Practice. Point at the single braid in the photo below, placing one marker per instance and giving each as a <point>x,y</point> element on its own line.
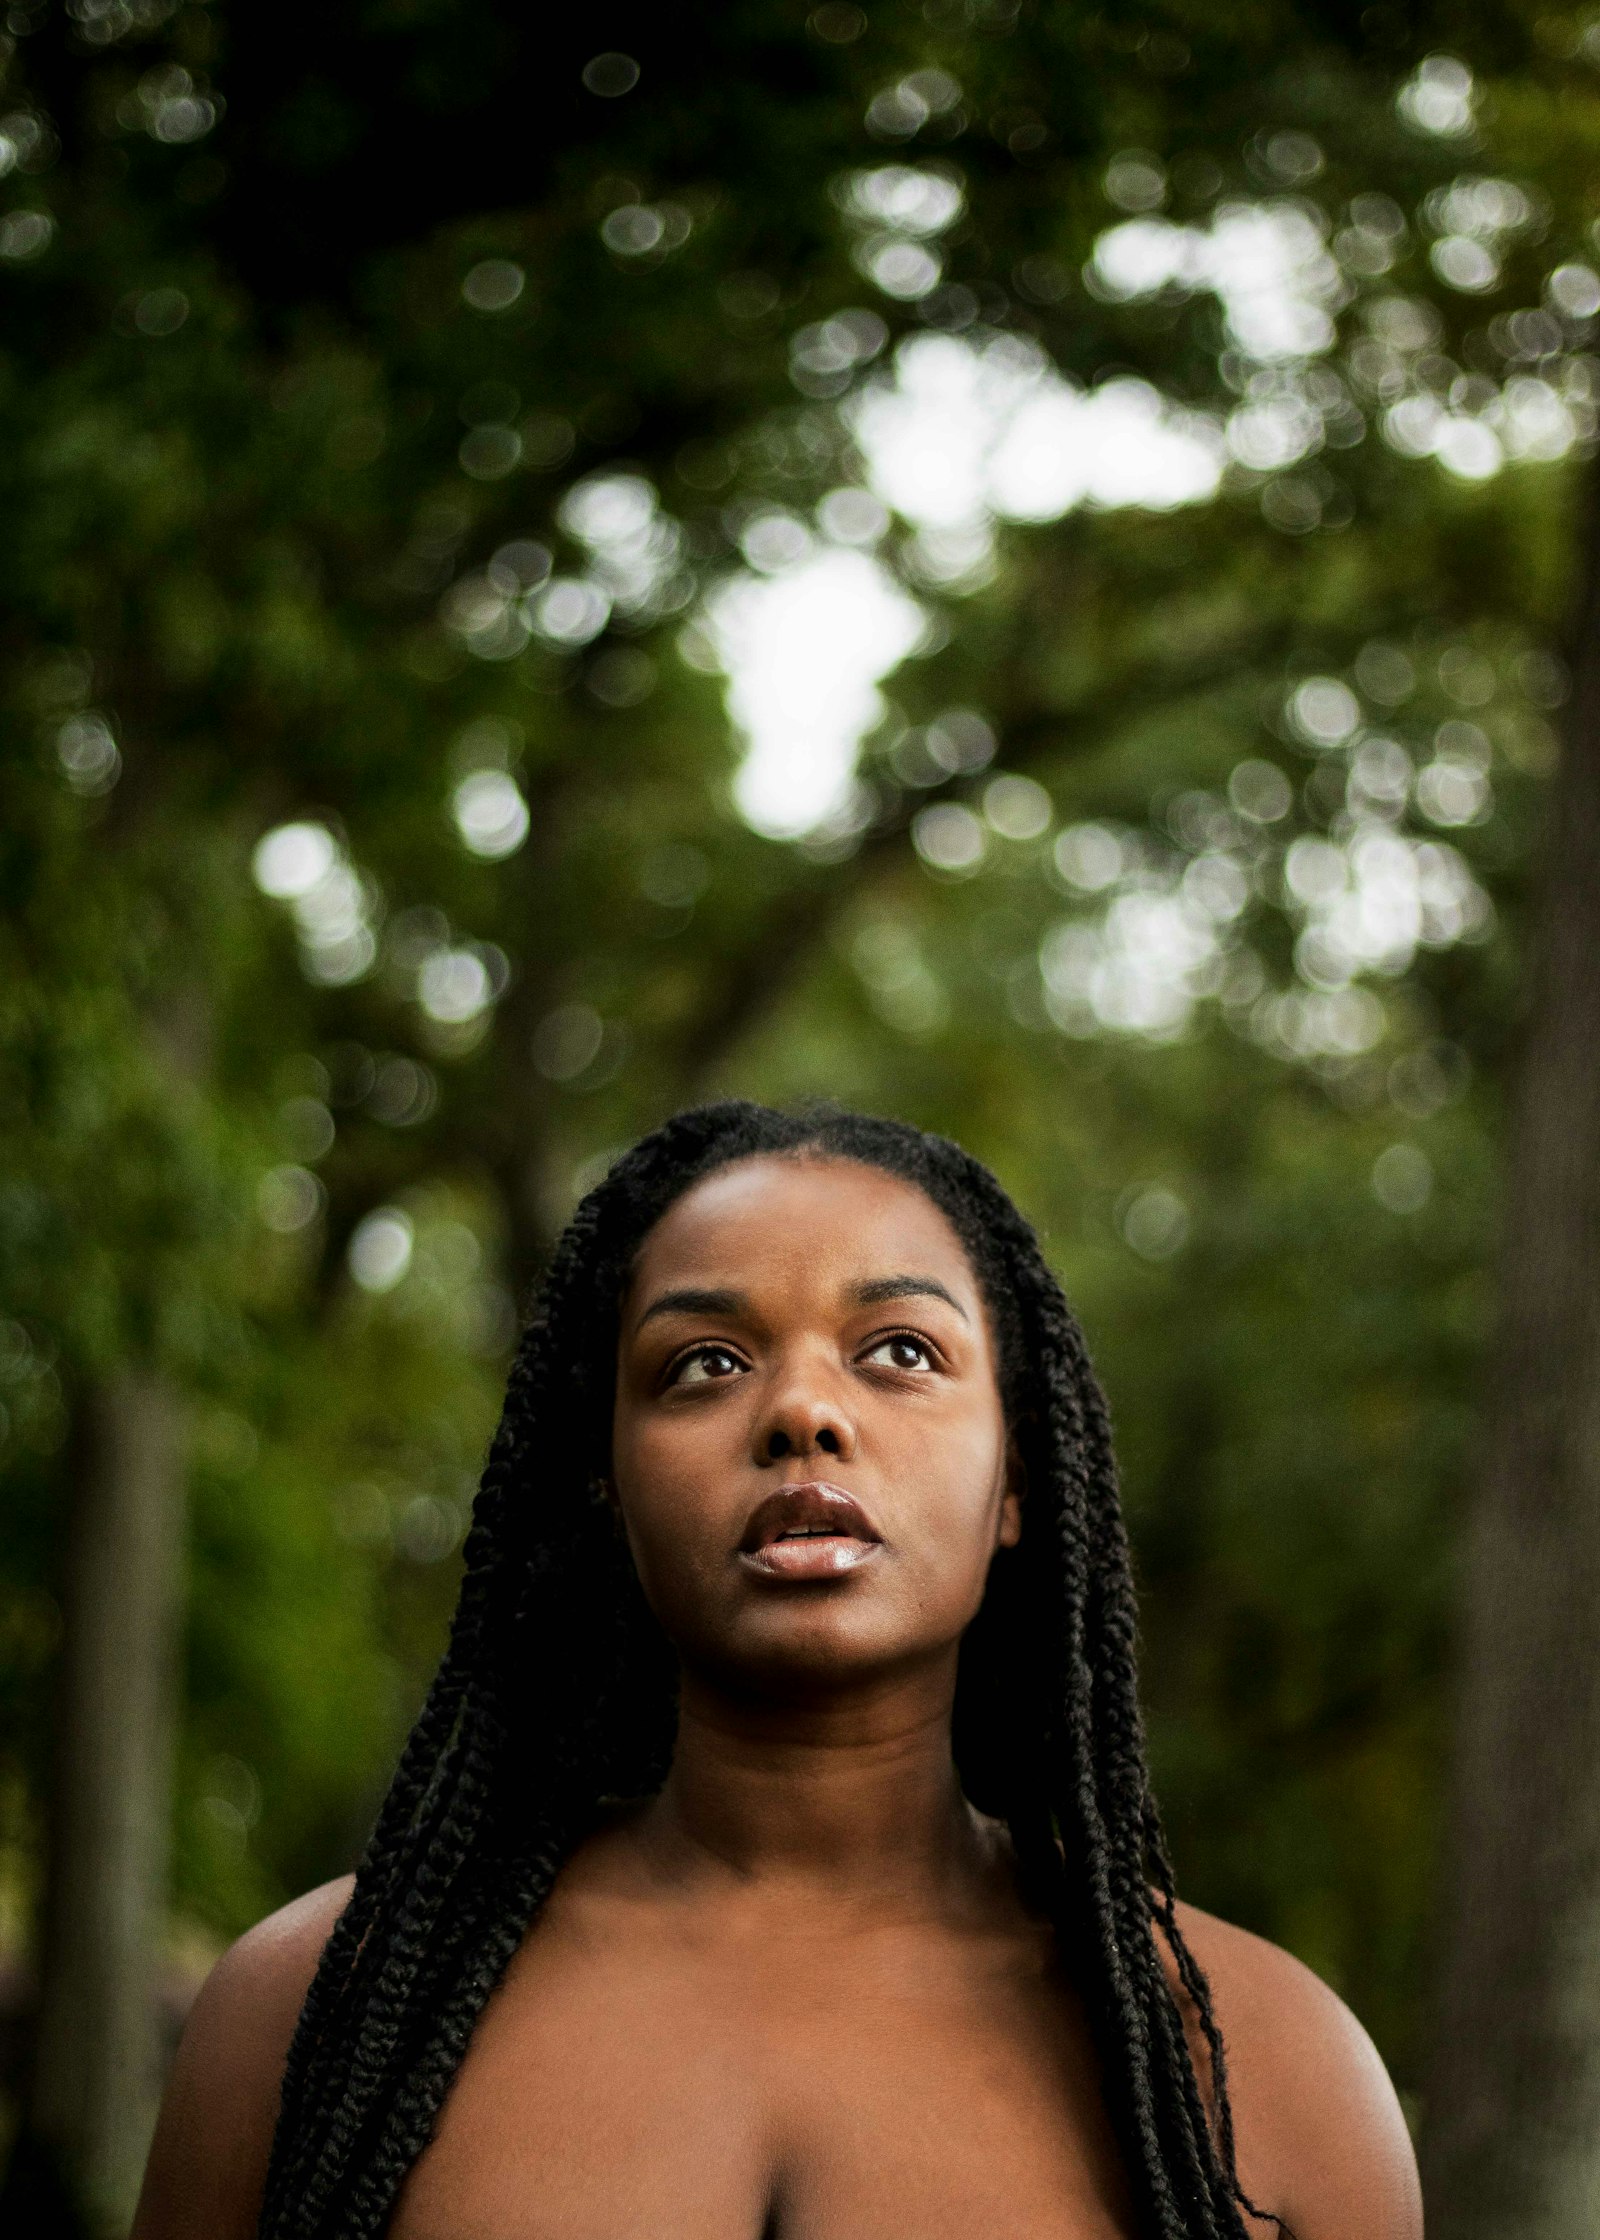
<point>556,1697</point>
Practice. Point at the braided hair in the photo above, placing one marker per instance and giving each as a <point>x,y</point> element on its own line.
<point>556,1696</point>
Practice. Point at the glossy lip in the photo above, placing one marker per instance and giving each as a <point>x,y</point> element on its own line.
<point>838,1535</point>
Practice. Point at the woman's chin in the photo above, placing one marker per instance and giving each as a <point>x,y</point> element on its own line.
<point>803,1653</point>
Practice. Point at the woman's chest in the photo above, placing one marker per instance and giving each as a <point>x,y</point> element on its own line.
<point>682,2102</point>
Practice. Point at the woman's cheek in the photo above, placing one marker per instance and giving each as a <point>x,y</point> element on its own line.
<point>675,1533</point>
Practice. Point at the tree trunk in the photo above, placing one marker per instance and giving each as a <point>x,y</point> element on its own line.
<point>97,2060</point>
<point>1511,2145</point>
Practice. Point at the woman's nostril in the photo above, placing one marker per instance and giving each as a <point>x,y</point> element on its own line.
<point>828,1440</point>
<point>777,1446</point>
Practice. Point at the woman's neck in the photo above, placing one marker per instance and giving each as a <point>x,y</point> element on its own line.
<point>855,1791</point>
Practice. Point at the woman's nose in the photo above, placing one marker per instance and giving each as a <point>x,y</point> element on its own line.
<point>805,1419</point>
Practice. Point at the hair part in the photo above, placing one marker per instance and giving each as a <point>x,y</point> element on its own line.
<point>557,1694</point>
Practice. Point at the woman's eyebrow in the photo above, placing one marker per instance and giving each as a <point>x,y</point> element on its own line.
<point>691,1301</point>
<point>879,1288</point>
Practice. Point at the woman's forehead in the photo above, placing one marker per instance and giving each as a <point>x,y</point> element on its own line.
<point>802,1212</point>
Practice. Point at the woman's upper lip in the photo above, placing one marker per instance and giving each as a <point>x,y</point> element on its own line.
<point>812,1507</point>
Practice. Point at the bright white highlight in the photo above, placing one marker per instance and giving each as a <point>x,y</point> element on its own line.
<point>380,1248</point>
<point>1439,97</point>
<point>1370,905</point>
<point>804,651</point>
<point>901,207</point>
<point>490,814</point>
<point>906,197</point>
<point>1324,711</point>
<point>633,548</point>
<point>304,866</point>
<point>291,859</point>
<point>453,986</point>
<point>948,837</point>
<point>1266,263</point>
<point>970,433</point>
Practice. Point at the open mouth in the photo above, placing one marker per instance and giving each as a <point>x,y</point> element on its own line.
<point>811,1531</point>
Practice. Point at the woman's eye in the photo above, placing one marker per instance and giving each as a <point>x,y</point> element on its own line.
<point>902,1352</point>
<point>706,1365</point>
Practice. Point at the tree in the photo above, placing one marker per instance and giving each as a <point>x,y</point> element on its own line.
<point>1514,2091</point>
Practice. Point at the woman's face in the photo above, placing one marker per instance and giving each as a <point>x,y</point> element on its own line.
<point>808,1447</point>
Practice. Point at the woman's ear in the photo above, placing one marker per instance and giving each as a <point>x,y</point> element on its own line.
<point>1011,1499</point>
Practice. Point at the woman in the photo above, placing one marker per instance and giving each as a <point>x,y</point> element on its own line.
<point>774,1854</point>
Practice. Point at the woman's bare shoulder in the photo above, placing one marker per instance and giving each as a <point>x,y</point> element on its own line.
<point>209,2159</point>
<point>1322,2142</point>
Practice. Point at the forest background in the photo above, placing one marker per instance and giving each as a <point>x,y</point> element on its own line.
<point>1021,565</point>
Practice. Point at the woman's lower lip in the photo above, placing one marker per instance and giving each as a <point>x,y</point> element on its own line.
<point>817,1555</point>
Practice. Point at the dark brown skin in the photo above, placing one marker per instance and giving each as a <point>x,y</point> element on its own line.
<point>798,1994</point>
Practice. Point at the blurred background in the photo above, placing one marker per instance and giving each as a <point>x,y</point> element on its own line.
<point>1013,563</point>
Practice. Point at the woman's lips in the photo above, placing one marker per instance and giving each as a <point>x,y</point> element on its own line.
<point>810,1531</point>
<point>816,1556</point>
